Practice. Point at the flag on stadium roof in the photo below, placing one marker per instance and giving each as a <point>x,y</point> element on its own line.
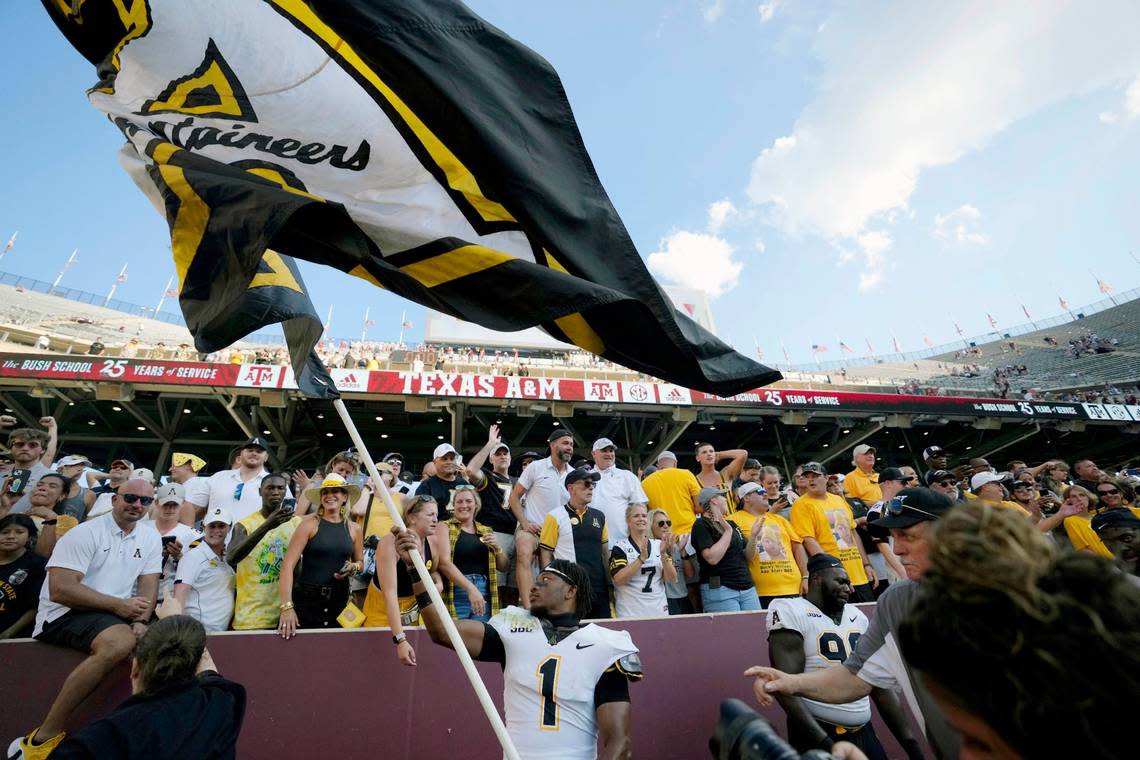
<point>993,322</point>
<point>898,348</point>
<point>11,241</point>
<point>1064,303</point>
<point>816,348</point>
<point>957,329</point>
<point>844,347</point>
<point>926,339</point>
<point>869,346</point>
<point>1104,287</point>
<point>407,143</point>
<point>1025,311</point>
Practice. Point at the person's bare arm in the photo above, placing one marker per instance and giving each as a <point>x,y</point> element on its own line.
<point>147,589</point>
<point>834,685</point>
<point>892,714</point>
<point>715,553</point>
<point>475,466</point>
<point>545,556</point>
<point>892,560</point>
<point>65,587</point>
<point>872,576</point>
<point>801,562</point>
<point>520,514</point>
<point>786,652</point>
<point>53,440</point>
<point>733,468</point>
<point>750,546</point>
<point>22,622</point>
<point>470,631</point>
<point>614,719</point>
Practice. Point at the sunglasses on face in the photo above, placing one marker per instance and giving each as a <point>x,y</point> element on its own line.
<point>896,507</point>
<point>1108,492</point>
<point>948,483</point>
<point>664,523</point>
<point>119,467</point>
<point>909,480</point>
<point>464,487</point>
<point>131,498</point>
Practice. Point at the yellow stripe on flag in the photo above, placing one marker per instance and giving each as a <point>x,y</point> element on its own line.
<point>452,265</point>
<point>575,326</point>
<point>193,213</point>
<point>459,178</point>
<point>364,274</point>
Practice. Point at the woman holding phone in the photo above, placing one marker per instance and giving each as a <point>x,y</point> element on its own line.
<point>331,547</point>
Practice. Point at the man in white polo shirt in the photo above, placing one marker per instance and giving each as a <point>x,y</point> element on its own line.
<point>543,485</point>
<point>204,583</point>
<point>89,602</point>
<point>239,489</point>
<point>616,490</point>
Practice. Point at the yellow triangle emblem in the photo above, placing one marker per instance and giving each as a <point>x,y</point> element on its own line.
<point>212,90</point>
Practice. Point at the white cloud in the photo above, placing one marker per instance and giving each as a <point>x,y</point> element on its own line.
<point>696,260</point>
<point>906,87</point>
<point>719,213</point>
<point>759,246</point>
<point>960,226</point>
<point>768,10</point>
<point>1129,107</point>
<point>713,11</point>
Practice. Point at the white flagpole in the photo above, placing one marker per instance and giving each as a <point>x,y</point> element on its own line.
<point>66,265</point>
<point>403,321</point>
<point>328,323</point>
<point>452,632</point>
<point>111,293</point>
<point>364,325</point>
<point>165,290</point>
<point>11,242</point>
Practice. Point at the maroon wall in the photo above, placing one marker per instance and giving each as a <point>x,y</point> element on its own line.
<point>343,694</point>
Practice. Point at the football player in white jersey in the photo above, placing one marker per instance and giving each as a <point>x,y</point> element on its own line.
<point>565,685</point>
<point>818,631</point>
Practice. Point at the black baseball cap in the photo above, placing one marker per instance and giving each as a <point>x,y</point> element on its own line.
<point>559,433</point>
<point>530,455</point>
<point>1115,518</point>
<point>937,476</point>
<point>815,467</point>
<point>393,455</point>
<point>912,506</point>
<point>891,473</point>
<point>257,442</point>
<point>581,473</point>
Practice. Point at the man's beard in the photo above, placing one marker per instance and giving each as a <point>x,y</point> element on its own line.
<point>565,456</point>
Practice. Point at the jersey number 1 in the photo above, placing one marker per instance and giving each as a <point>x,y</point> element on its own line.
<point>547,688</point>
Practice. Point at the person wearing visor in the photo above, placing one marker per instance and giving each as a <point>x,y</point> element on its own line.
<point>875,661</point>
<point>184,469</point>
<point>395,460</point>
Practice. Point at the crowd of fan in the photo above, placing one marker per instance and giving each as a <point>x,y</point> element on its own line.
<point>1091,343</point>
<point>249,549</point>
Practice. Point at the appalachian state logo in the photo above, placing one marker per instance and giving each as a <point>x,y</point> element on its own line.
<point>212,90</point>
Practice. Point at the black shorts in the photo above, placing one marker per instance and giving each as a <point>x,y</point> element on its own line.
<point>862,593</point>
<point>77,629</point>
<point>864,738</point>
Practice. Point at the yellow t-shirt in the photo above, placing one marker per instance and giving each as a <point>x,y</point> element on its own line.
<point>774,569</point>
<point>258,601</point>
<point>1084,537</point>
<point>1005,505</point>
<point>832,523</point>
<point>673,490</point>
<point>860,485</point>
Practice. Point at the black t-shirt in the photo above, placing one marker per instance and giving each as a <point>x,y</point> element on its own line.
<point>199,717</point>
<point>20,583</point>
<point>494,512</point>
<point>732,570</point>
<point>440,490</point>
<point>469,554</point>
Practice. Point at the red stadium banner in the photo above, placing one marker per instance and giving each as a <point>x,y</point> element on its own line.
<point>463,385</point>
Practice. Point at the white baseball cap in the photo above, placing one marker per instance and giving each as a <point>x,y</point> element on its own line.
<point>603,443</point>
<point>443,450</point>
<point>68,461</point>
<point>666,455</point>
<point>982,478</point>
<point>170,492</point>
<point>747,488</point>
<point>218,514</point>
<point>143,473</point>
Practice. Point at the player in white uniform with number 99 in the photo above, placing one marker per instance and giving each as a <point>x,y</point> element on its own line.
<point>565,685</point>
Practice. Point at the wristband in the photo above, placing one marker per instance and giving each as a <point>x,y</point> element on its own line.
<point>52,521</point>
<point>399,638</point>
<point>423,599</point>
<point>287,606</point>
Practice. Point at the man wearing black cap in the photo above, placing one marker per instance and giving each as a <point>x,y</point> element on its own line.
<point>542,485</point>
<point>1119,531</point>
<point>494,488</point>
<point>943,482</point>
<point>239,490</point>
<point>877,540</point>
<point>812,632</point>
<point>876,661</point>
<point>577,532</point>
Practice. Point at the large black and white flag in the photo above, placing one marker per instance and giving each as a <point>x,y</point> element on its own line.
<point>406,142</point>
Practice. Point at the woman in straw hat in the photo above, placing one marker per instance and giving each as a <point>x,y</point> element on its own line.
<point>330,547</point>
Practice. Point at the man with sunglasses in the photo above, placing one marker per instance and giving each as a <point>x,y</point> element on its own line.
<point>877,540</point>
<point>1110,496</point>
<point>944,482</point>
<point>100,592</point>
<point>876,661</point>
<point>238,490</point>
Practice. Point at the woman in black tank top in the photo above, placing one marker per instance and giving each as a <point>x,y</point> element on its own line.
<point>330,548</point>
<point>390,593</point>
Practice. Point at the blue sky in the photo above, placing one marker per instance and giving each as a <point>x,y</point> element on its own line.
<point>827,171</point>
